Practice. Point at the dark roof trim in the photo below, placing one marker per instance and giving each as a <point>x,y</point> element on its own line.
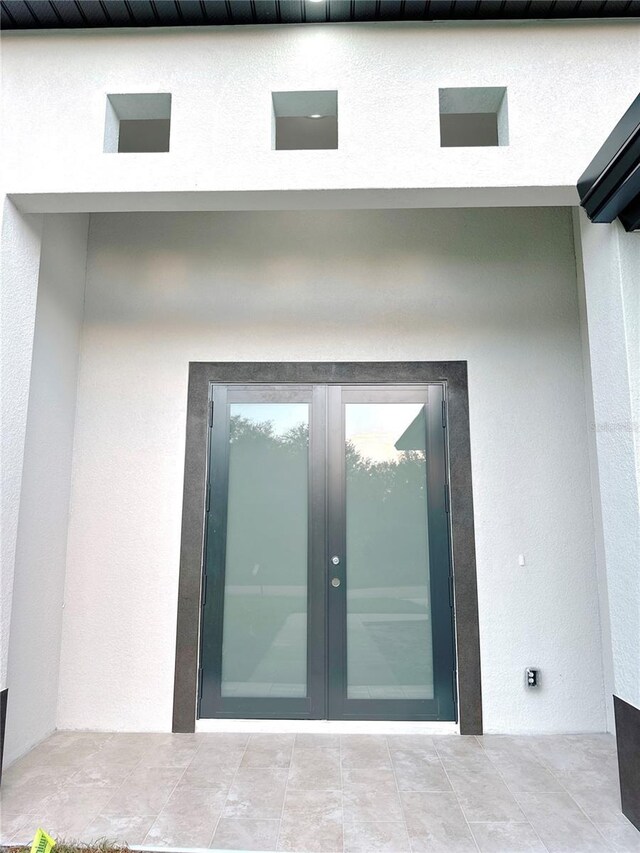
<point>610,185</point>
<point>74,14</point>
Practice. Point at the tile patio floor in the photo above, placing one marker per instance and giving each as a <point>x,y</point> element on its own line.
<point>329,793</point>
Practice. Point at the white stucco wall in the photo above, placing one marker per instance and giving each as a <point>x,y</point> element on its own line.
<point>496,288</point>
<point>629,259</point>
<point>20,255</point>
<point>41,549</point>
<point>568,84</point>
<point>608,271</point>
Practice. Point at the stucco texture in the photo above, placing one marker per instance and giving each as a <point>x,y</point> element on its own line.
<point>494,287</point>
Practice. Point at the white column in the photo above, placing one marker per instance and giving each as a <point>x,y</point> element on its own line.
<point>608,262</point>
<point>21,240</point>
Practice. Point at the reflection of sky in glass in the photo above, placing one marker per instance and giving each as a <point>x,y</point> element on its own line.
<point>283,416</point>
<point>374,428</point>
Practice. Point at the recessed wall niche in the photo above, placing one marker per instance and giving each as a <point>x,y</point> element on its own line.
<point>137,123</point>
<point>305,120</point>
<point>473,116</point>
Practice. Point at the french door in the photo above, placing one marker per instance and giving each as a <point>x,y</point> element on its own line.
<point>327,589</point>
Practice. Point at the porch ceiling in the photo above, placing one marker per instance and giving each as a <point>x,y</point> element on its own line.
<point>70,14</point>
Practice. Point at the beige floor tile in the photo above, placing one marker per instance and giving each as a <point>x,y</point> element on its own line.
<point>17,827</point>
<point>36,755</point>
<point>24,799</point>
<point>461,752</point>
<point>268,751</point>
<point>68,737</point>
<point>41,777</point>
<point>84,785</point>
<point>484,796</point>
<point>621,835</point>
<point>191,827</point>
<point>376,777</point>
<point>144,740</point>
<point>365,751</point>
<point>317,741</point>
<point>597,794</point>
<point>506,743</point>
<point>144,791</point>
<point>364,803</point>
<point>561,824</point>
<point>363,837</point>
<point>203,800</point>
<point>304,834</point>
<point>179,754</point>
<point>183,739</point>
<point>373,746</point>
<point>436,824</point>
<point>567,753</point>
<point>322,805</point>
<point>70,797</point>
<point>271,741</point>
<point>123,829</point>
<point>220,789</point>
<point>418,770</point>
<point>507,838</point>
<point>67,813</point>
<point>105,776</point>
<point>74,753</point>
<point>212,768</point>
<point>121,751</point>
<point>317,768</point>
<point>524,773</point>
<point>256,793</point>
<point>73,748</point>
<point>241,834</point>
<point>222,740</point>
<point>421,743</point>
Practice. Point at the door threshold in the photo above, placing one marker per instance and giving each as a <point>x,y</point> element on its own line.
<point>343,727</point>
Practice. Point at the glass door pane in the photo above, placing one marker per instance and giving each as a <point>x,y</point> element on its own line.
<point>264,641</point>
<point>389,650</point>
<point>262,601</point>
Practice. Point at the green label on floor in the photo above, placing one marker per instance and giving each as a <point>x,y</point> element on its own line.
<point>42,843</point>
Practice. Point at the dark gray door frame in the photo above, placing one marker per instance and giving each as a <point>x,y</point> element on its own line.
<point>454,375</point>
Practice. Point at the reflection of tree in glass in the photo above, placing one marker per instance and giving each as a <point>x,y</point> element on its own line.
<point>244,429</point>
<point>386,471</point>
<point>386,519</point>
<point>266,549</point>
<point>389,637</point>
<point>266,553</point>
<point>386,509</point>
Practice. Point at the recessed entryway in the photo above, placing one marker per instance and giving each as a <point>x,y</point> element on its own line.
<point>324,515</point>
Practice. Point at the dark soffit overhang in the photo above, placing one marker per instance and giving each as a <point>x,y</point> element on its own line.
<point>82,14</point>
<point>610,185</point>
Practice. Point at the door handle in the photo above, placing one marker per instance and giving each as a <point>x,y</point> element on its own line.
<point>335,582</point>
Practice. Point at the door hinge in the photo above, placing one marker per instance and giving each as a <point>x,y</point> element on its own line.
<point>205,584</point>
<point>454,682</point>
<point>210,413</point>
<point>444,414</point>
<point>208,498</point>
<point>200,682</point>
<point>451,591</point>
<point>447,498</point>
